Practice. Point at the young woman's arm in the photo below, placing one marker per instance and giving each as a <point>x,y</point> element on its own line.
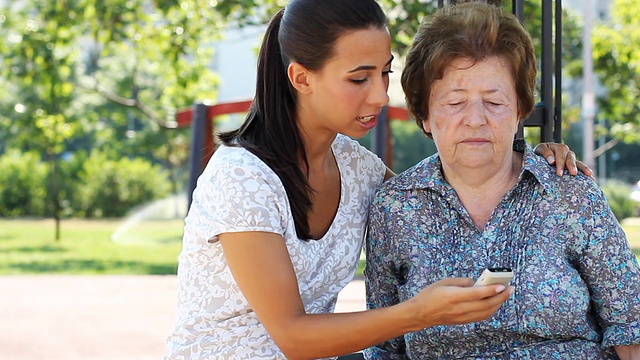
<point>388,174</point>
<point>261,266</point>
<point>562,157</point>
<point>628,352</point>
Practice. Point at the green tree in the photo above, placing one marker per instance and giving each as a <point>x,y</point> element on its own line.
<point>103,74</point>
<point>149,62</point>
<point>617,64</point>
<point>38,62</point>
<point>22,185</point>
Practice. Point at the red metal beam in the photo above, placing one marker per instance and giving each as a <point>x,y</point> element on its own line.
<point>397,113</point>
<point>183,117</point>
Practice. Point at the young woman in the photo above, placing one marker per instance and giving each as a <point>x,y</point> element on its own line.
<point>278,216</point>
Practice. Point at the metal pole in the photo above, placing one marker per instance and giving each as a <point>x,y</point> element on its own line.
<point>196,150</point>
<point>546,85</point>
<point>588,96</point>
<point>380,136</point>
<point>557,119</point>
<point>602,158</point>
<point>517,8</point>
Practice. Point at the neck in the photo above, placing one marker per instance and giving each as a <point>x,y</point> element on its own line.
<point>317,142</point>
<point>481,190</point>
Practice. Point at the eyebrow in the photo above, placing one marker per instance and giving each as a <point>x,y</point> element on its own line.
<point>369,67</point>
<point>489,91</point>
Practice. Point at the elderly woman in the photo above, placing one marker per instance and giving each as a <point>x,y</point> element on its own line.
<point>484,201</point>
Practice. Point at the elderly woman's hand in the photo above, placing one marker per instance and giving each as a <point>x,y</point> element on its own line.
<point>562,156</point>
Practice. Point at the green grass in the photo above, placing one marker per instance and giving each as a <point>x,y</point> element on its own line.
<point>631,227</point>
<point>85,247</point>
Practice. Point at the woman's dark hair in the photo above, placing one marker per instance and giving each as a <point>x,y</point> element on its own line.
<point>474,31</point>
<point>305,31</point>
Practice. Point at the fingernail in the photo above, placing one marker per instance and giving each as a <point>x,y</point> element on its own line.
<point>561,172</point>
<point>575,169</point>
<point>511,290</point>
<point>500,288</point>
<point>551,159</point>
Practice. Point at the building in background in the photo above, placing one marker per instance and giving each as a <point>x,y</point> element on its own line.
<point>235,60</point>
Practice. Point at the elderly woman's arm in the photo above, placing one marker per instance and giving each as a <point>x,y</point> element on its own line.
<point>610,269</point>
<point>380,284</point>
<point>629,352</point>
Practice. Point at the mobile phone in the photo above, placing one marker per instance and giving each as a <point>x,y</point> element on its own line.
<point>498,275</point>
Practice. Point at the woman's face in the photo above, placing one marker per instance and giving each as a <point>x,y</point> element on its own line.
<point>473,113</point>
<point>349,91</point>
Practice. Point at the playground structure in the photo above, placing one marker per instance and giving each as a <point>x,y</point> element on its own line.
<point>546,116</point>
<point>201,119</point>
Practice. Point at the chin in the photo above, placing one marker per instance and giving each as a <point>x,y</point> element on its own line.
<point>356,134</point>
<point>477,164</point>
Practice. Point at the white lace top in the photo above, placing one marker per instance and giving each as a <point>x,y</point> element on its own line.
<point>238,192</point>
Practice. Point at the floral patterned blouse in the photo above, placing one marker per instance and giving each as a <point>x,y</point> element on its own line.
<point>577,283</point>
<point>239,192</point>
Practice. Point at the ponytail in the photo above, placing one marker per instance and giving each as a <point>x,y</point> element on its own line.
<point>270,130</point>
<point>306,32</point>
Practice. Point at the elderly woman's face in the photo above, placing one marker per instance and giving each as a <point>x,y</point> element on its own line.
<point>473,113</point>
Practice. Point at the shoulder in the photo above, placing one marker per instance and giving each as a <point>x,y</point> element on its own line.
<point>237,192</point>
<point>577,194</point>
<point>237,163</point>
<point>425,175</point>
<point>566,186</point>
<point>362,162</point>
<point>346,146</point>
<point>234,173</point>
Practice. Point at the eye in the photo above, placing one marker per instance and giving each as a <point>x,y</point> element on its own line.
<point>387,72</point>
<point>358,81</point>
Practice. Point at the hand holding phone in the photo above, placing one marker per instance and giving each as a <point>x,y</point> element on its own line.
<point>490,276</point>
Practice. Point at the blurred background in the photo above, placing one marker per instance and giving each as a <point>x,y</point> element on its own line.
<point>94,165</point>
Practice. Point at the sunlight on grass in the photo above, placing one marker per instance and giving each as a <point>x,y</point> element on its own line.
<point>28,247</point>
<point>148,247</point>
<point>631,227</point>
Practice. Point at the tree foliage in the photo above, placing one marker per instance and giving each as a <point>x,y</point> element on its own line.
<point>108,75</point>
<point>105,75</point>
<point>617,63</point>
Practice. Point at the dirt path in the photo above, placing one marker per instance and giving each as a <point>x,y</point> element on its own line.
<point>96,317</point>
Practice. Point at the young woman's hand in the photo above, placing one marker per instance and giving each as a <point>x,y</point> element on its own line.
<point>455,301</point>
<point>562,157</point>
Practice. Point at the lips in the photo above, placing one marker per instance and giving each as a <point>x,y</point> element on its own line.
<point>368,122</point>
<point>365,119</point>
<point>475,141</point>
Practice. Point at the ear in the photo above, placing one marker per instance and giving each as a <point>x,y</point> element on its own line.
<point>299,77</point>
<point>426,126</point>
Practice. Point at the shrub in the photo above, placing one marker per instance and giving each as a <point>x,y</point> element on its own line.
<point>22,184</point>
<point>618,196</point>
<point>110,188</point>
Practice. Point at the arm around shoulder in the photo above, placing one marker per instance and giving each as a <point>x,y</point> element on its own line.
<point>628,352</point>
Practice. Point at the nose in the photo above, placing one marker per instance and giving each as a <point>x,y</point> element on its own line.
<point>475,115</point>
<point>379,95</point>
